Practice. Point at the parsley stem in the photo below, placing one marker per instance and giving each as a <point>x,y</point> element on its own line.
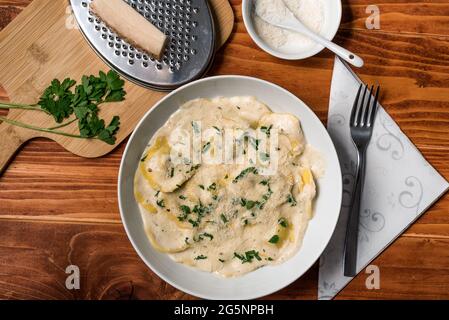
<point>6,105</point>
<point>31,127</point>
<point>63,125</point>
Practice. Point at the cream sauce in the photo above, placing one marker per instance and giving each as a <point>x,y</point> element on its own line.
<point>228,217</point>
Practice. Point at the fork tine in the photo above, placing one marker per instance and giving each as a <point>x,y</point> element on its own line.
<point>368,107</point>
<point>362,108</point>
<point>374,108</point>
<point>355,107</point>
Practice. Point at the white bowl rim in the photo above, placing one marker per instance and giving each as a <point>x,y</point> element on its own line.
<point>286,56</point>
<point>128,146</point>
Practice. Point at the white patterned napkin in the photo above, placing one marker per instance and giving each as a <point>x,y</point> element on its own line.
<point>400,184</point>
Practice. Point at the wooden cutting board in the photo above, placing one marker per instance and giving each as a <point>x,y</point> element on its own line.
<point>41,44</point>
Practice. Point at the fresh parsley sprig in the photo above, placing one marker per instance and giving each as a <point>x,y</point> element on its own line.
<point>77,103</point>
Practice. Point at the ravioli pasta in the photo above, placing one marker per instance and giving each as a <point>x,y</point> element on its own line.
<point>233,216</point>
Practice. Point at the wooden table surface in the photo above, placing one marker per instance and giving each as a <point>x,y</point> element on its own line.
<point>57,209</point>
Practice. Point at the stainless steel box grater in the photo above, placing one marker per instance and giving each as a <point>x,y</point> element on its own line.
<point>190,49</point>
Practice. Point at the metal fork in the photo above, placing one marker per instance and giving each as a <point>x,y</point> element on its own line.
<point>362,120</point>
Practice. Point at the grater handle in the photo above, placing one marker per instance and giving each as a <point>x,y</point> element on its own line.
<point>10,143</point>
<point>123,19</point>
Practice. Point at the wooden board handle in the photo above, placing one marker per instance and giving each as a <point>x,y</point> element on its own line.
<point>10,143</point>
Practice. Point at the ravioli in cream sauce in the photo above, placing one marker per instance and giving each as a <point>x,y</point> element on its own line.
<point>228,215</point>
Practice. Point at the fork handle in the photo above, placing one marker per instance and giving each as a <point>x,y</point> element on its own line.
<point>352,230</point>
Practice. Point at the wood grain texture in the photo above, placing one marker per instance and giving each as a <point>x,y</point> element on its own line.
<point>38,46</point>
<point>56,208</point>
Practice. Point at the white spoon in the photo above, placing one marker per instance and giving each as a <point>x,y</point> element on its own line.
<point>287,20</point>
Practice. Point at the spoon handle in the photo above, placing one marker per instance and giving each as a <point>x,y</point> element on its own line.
<point>290,22</point>
<point>343,53</point>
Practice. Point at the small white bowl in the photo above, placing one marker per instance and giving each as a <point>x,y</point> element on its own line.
<point>332,19</point>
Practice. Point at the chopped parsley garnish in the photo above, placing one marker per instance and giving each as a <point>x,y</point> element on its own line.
<point>221,260</point>
<point>267,130</point>
<point>264,156</point>
<point>198,209</point>
<point>195,127</point>
<point>194,223</point>
<point>218,129</point>
<point>208,235</point>
<point>223,218</point>
<point>182,197</point>
<point>185,213</point>
<point>172,172</point>
<point>161,203</point>
<point>193,168</point>
<point>144,158</point>
<point>213,186</point>
<point>291,200</point>
<point>201,210</point>
<point>200,257</point>
<point>203,235</point>
<point>215,197</point>
<point>248,257</point>
<point>254,142</point>
<point>244,173</point>
<point>201,186</point>
<point>185,209</point>
<point>265,198</point>
<point>248,204</point>
<point>206,147</point>
<point>274,239</point>
<point>283,222</point>
<point>264,182</point>
<point>269,259</point>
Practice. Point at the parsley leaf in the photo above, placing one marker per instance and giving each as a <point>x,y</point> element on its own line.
<point>203,235</point>
<point>185,213</point>
<point>244,173</point>
<point>248,257</point>
<point>114,86</point>
<point>267,130</point>
<point>291,200</point>
<point>57,99</point>
<point>213,186</point>
<point>161,203</point>
<point>274,239</point>
<point>283,222</point>
<point>223,218</point>
<point>206,147</point>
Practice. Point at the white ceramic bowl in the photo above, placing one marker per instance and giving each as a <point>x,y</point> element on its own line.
<point>332,19</point>
<point>265,280</point>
